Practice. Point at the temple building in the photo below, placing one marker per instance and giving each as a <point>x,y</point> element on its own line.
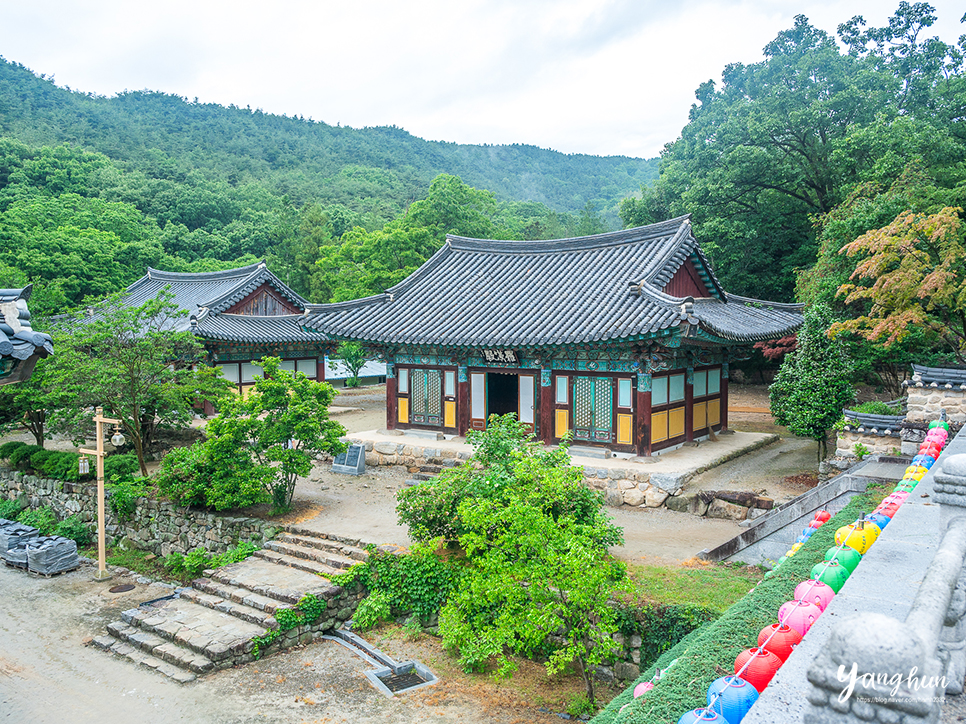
<point>241,315</point>
<point>621,340</point>
<point>20,345</point>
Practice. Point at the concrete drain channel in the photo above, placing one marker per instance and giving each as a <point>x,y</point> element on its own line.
<point>389,676</point>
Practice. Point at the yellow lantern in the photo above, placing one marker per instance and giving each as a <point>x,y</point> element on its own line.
<point>859,536</point>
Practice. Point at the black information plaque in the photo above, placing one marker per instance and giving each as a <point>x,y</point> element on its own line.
<point>351,462</point>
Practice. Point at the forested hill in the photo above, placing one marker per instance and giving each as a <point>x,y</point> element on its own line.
<point>305,160</point>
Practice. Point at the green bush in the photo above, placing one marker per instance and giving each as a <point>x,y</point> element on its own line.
<point>10,509</point>
<point>8,448</point>
<point>43,519</point>
<point>121,466</point>
<point>74,529</point>
<point>212,476</point>
<point>661,626</point>
<point>195,561</point>
<point>875,407</point>
<point>65,466</point>
<point>20,458</point>
<point>703,655</point>
<point>123,495</point>
<point>38,459</point>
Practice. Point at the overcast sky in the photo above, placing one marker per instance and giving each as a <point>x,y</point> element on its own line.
<point>579,76</point>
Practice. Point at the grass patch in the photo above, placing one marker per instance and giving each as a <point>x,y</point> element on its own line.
<point>141,562</point>
<point>715,586</point>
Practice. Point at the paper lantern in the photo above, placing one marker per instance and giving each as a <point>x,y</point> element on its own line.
<point>859,535</point>
<point>831,573</point>
<point>782,640</point>
<point>847,557</point>
<point>878,520</point>
<point>823,515</point>
<point>888,510</point>
<point>799,615</point>
<point>732,697</point>
<point>642,688</point>
<point>702,715</point>
<point>923,460</point>
<point>815,592</point>
<point>815,524</point>
<point>761,667</point>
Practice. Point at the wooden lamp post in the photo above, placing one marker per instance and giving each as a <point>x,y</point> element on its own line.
<point>117,439</point>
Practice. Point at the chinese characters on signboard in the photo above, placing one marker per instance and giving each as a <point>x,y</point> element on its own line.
<point>501,356</point>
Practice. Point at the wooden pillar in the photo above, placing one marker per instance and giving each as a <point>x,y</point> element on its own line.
<point>642,415</point>
<point>546,406</point>
<point>689,405</point>
<point>724,397</point>
<point>390,396</point>
<point>462,401</point>
<point>320,369</point>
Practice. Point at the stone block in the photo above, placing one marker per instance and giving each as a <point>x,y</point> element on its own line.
<point>633,497</point>
<point>385,448</point>
<point>728,511</point>
<point>626,484</point>
<point>625,671</point>
<point>613,497</point>
<point>654,498</point>
<point>677,503</point>
<point>672,483</point>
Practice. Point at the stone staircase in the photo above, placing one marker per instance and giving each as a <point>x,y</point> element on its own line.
<point>210,625</point>
<point>428,472</point>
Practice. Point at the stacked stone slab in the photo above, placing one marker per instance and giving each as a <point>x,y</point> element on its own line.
<point>51,554</point>
<point>13,534</point>
<point>210,625</point>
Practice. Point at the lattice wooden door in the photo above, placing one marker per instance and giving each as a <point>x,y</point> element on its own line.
<point>593,409</point>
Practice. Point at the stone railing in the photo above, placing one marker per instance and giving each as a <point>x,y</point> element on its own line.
<point>156,525</point>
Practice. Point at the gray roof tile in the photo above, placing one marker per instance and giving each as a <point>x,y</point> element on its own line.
<point>18,340</point>
<point>483,293</point>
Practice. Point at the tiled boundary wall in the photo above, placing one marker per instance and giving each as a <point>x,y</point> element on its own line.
<point>158,526</point>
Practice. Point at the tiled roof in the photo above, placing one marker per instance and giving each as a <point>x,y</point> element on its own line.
<point>254,329</point>
<point>482,293</point>
<point>19,343</point>
<point>937,376</point>
<point>205,296</point>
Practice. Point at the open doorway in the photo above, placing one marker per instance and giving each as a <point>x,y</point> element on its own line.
<point>502,394</point>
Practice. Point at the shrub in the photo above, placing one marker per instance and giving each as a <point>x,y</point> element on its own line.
<point>123,496</point>
<point>875,407</point>
<point>121,466</point>
<point>20,458</point>
<point>7,449</point>
<point>64,466</point>
<point>212,475</point>
<point>74,529</point>
<point>38,459</point>
<point>43,519</point>
<point>10,509</point>
<point>195,561</point>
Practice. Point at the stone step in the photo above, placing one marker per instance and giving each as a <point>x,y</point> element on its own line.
<point>326,544</point>
<point>268,574</point>
<point>318,555</point>
<point>153,645</point>
<point>220,637</point>
<point>301,564</point>
<point>133,653</point>
<point>422,477</point>
<point>226,604</point>
<point>430,469</point>
<point>238,594</point>
<point>310,533</point>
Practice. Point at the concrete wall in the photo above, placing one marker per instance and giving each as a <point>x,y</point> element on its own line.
<point>158,526</point>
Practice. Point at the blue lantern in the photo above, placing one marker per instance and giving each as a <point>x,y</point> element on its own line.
<point>878,519</point>
<point>732,697</point>
<point>696,716</point>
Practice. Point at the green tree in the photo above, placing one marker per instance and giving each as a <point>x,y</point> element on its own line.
<point>814,382</point>
<point>352,356</point>
<point>133,362</point>
<point>31,402</point>
<point>280,425</point>
<point>538,576</point>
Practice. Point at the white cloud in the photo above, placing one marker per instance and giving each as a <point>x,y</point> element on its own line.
<point>580,76</point>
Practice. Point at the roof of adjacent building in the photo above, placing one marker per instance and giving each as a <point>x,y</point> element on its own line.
<point>937,376</point>
<point>18,340</point>
<point>205,296</point>
<point>608,287</point>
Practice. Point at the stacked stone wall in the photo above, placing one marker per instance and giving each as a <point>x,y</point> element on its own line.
<point>158,526</point>
<point>926,402</point>
<point>875,444</point>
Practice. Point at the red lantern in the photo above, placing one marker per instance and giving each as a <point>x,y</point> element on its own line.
<point>783,640</point>
<point>888,510</point>
<point>816,524</point>
<point>761,667</point>
<point>823,515</point>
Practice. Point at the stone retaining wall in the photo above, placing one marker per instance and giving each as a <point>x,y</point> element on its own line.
<point>875,444</point>
<point>158,526</point>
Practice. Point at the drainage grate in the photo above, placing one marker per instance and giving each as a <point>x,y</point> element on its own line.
<point>402,681</point>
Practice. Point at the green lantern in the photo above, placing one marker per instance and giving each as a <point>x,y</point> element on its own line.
<point>831,573</point>
<point>847,557</point>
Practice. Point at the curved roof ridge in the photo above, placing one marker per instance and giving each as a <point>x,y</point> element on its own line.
<point>240,271</point>
<point>311,309</point>
<point>544,246</point>
<point>248,284</point>
<point>765,303</point>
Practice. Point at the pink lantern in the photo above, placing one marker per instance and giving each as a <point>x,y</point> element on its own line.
<point>642,688</point>
<point>799,615</point>
<point>816,592</point>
